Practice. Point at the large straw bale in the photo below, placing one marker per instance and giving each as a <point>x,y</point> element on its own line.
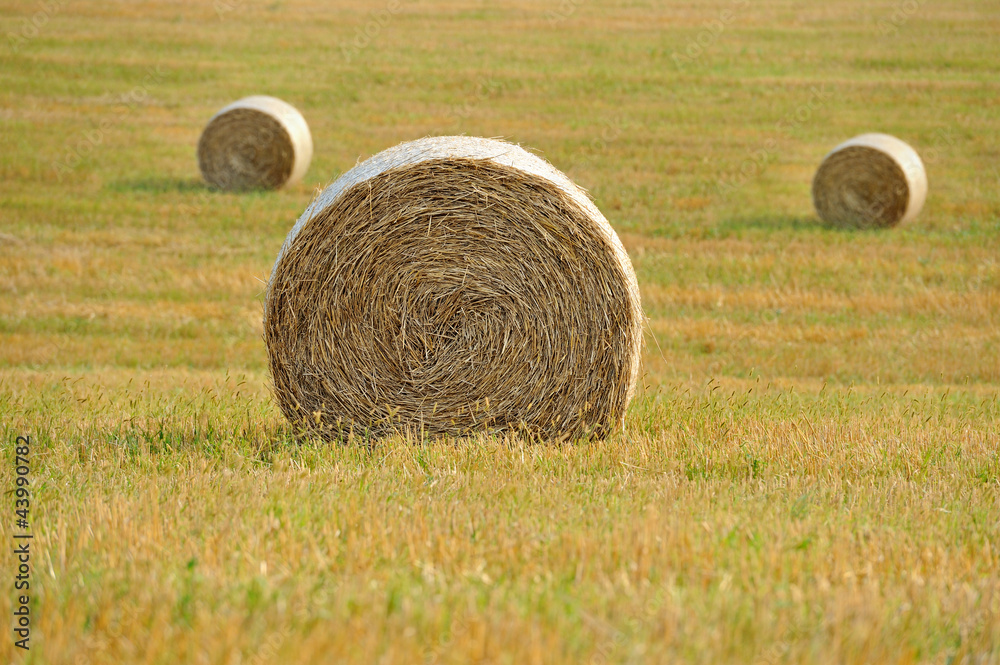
<point>452,285</point>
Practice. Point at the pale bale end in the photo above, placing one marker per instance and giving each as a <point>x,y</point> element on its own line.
<point>871,181</point>
<point>453,285</point>
<point>258,142</point>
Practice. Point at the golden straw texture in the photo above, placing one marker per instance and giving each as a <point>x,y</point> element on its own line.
<point>453,285</point>
<point>871,181</point>
<point>257,142</point>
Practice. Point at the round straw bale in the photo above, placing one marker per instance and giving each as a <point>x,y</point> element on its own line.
<point>453,285</point>
<point>258,142</point>
<point>871,181</point>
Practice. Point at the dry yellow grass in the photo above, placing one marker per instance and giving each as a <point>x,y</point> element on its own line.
<point>738,520</point>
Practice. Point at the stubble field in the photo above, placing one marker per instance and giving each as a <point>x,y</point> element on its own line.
<point>811,472</point>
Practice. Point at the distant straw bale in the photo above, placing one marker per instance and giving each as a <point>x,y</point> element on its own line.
<point>871,181</point>
<point>258,142</point>
<point>453,285</point>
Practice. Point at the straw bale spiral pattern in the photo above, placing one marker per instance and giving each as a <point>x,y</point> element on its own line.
<point>452,285</point>
<point>258,142</point>
<point>871,181</point>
